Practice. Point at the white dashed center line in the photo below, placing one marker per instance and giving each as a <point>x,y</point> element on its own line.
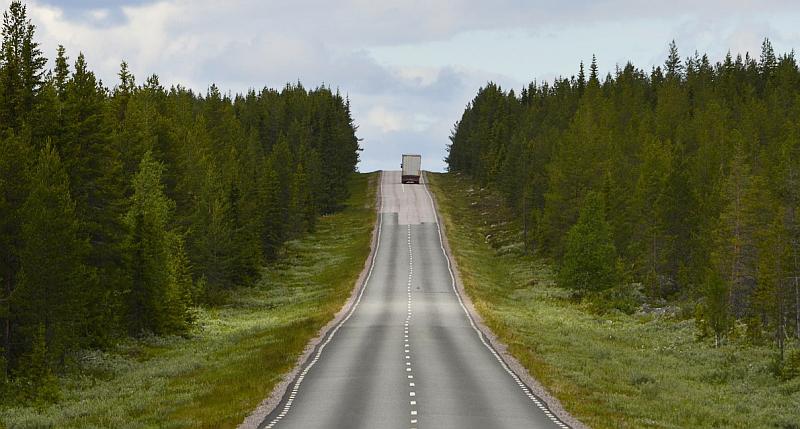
<point>406,345</point>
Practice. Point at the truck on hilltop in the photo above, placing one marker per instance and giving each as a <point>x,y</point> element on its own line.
<point>411,168</point>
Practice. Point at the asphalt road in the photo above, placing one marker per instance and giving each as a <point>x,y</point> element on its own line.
<point>408,355</point>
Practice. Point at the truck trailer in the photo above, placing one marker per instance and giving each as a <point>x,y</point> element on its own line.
<point>411,168</point>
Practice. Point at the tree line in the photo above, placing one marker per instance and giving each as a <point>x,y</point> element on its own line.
<point>681,184</point>
<point>122,208</point>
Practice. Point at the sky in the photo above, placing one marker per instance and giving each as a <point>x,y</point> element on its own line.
<point>408,67</point>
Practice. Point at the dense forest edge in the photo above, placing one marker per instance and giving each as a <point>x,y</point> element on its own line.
<point>124,209</point>
<point>673,191</point>
<point>607,368</point>
<point>235,352</point>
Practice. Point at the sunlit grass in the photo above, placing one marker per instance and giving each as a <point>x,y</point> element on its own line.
<point>238,351</point>
<point>609,371</point>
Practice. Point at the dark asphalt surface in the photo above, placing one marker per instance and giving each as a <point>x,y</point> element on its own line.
<point>408,356</point>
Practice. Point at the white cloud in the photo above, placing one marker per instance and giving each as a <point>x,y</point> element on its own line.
<point>386,121</point>
<point>99,14</point>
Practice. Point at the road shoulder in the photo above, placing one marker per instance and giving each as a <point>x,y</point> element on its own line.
<point>272,401</point>
<point>553,403</point>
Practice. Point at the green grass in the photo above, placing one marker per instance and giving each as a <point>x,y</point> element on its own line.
<point>609,371</point>
<point>237,352</point>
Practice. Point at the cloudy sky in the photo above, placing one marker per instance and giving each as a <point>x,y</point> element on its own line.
<point>409,67</point>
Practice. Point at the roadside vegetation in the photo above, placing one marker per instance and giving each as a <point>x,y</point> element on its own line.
<point>608,368</point>
<point>132,214</point>
<point>235,352</point>
<point>672,187</point>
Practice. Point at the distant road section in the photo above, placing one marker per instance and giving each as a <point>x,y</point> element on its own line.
<point>408,355</point>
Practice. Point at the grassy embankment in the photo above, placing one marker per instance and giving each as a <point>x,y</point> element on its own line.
<point>609,371</point>
<point>237,352</point>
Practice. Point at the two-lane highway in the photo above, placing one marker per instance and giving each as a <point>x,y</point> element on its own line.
<point>408,355</point>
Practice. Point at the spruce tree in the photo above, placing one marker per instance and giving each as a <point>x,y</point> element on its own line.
<point>714,312</point>
<point>61,71</point>
<point>673,66</point>
<point>22,67</point>
<point>156,301</point>
<point>273,216</point>
<point>15,160</point>
<point>97,185</point>
<point>54,298</point>
<point>590,258</point>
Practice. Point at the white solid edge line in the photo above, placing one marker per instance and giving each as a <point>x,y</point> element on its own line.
<point>296,386</point>
<point>497,356</point>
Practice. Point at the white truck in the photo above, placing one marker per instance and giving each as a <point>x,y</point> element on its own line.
<point>411,168</point>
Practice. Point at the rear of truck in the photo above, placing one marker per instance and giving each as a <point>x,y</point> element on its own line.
<point>411,168</point>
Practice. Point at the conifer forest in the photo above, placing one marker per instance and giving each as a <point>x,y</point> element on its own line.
<point>619,247</point>
<point>678,185</point>
<point>123,205</point>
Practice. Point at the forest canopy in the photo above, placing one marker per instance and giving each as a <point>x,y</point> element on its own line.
<point>691,171</point>
<point>123,207</point>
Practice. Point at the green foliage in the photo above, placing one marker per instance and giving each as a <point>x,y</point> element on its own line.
<point>590,258</point>
<point>157,300</point>
<point>142,202</point>
<point>698,166</point>
<point>50,295</point>
<point>713,314</point>
<point>34,383</point>
<point>791,365</point>
<point>15,160</point>
<point>22,67</point>
<point>609,369</point>
<point>238,351</point>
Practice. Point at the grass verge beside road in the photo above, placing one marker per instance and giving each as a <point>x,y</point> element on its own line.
<point>609,371</point>
<point>237,352</point>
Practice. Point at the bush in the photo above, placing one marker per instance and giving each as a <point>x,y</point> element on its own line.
<point>626,298</point>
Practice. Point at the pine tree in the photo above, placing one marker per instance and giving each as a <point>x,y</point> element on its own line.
<point>301,204</point>
<point>770,297</point>
<point>697,163</point>
<point>590,259</point>
<point>61,72</point>
<point>673,66</point>
<point>45,123</point>
<point>184,291</point>
<point>274,220</point>
<point>22,67</point>
<point>788,190</point>
<point>15,159</point>
<point>97,185</point>
<point>714,314</point>
<point>53,298</point>
<point>651,241</point>
<point>593,73</point>
<point>156,301</point>
<point>767,63</point>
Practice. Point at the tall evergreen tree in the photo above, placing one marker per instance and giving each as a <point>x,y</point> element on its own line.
<point>97,185</point>
<point>21,67</point>
<point>61,71</point>
<point>54,297</point>
<point>15,159</point>
<point>156,301</point>
<point>96,204</point>
<point>590,257</point>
